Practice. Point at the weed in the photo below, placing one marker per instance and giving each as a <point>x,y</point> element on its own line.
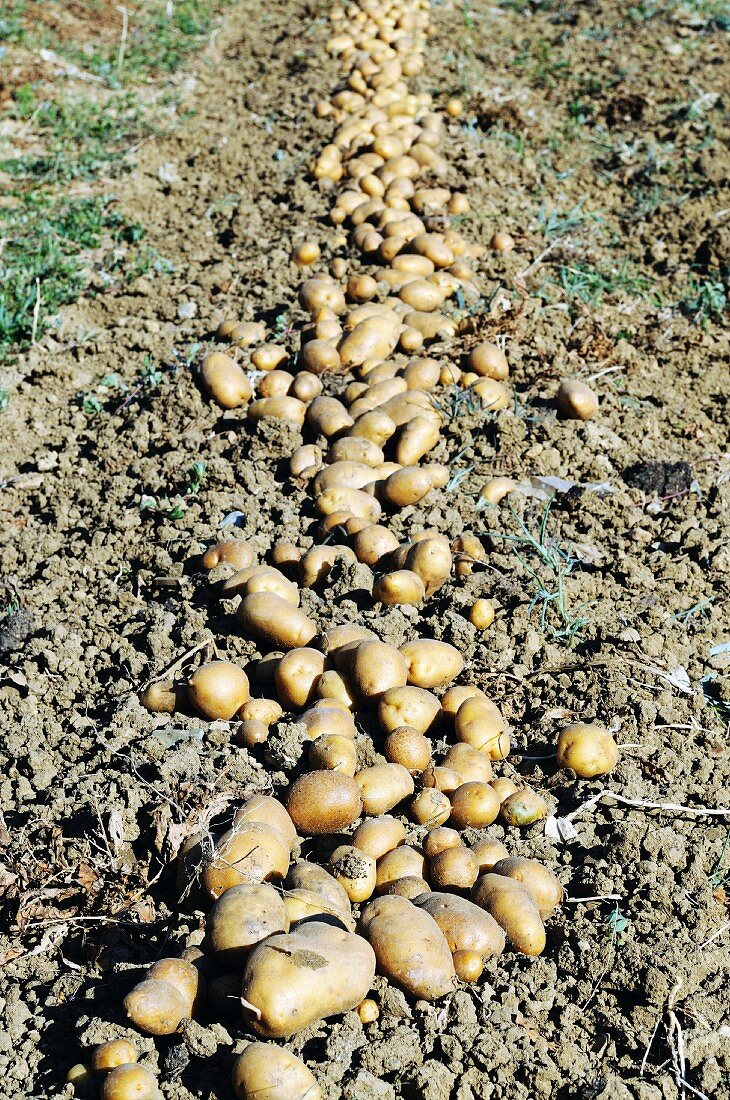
<point>175,508</point>
<point>696,609</point>
<point>706,299</point>
<point>589,284</point>
<point>539,65</point>
<point>556,224</point>
<point>4,399</point>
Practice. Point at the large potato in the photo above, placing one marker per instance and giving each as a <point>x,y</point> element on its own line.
<point>539,881</point>
<point>479,723</point>
<point>383,786</point>
<point>409,706</point>
<point>218,689</point>
<point>465,925</point>
<point>249,852</point>
<point>474,805</point>
<point>379,835</point>
<point>409,946</point>
<point>241,918</point>
<point>324,802</point>
<point>274,621</point>
<point>267,811</point>
<point>401,862</point>
<point>266,1072</point>
<point>514,910</point>
<point>170,994</point>
<point>292,980</point>
<point>471,764</point>
<point>431,663</point>
<point>377,666</point>
<point>296,677</point>
<point>588,749</point>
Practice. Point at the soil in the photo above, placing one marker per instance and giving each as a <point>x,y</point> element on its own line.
<point>103,589</point>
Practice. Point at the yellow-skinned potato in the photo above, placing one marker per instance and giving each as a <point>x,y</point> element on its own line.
<point>218,689</point>
<point>419,962</point>
<point>407,486</point>
<point>468,965</point>
<point>374,338</point>
<point>498,488</point>
<point>81,1077</point>
<point>323,802</point>
<point>285,553</point>
<point>226,382</point>
<point>241,918</point>
<point>376,667</point>
<point>268,357</point>
<point>442,779</point>
<point>251,851</point>
<point>383,786</point>
<point>408,747</point>
<point>377,426</point>
<point>414,265</point>
<point>415,439</point>
<point>409,706</point>
<point>588,749</point>
<point>251,733</point>
<point>319,291</point>
<point>249,333</point>
<point>431,807</point>
<point>341,498</point>
<point>431,663</point>
<point>339,637</point>
<point>538,880</point>
<point>454,696</point>
<point>523,808</point>
<point>489,852</point>
<point>355,871</point>
<point>474,805</point>
<point>320,355</point>
<point>333,752</point>
<point>278,408</point>
<point>465,925</point>
<point>282,992</point>
<point>306,386</point>
<point>306,253</point>
<point>422,374</point>
<point>350,449</point>
<point>576,400</point>
<point>379,835</point>
<point>492,394</point>
<point>431,559</point>
<point>410,886</point>
<point>296,677</point>
<point>469,553</point>
<point>337,686</point>
<point>355,474</point>
<point>115,1052</point>
<point>422,295</point>
<point>481,614</point>
<point>489,361</point>
<point>268,1072</point>
<point>439,839</point>
<point>267,810</point>
<point>132,1082</point>
<point>154,1005</point>
<point>163,697</point>
<point>236,552</point>
<point>399,588</point>
<point>368,1011</point>
<point>305,461</point>
<point>455,868</point>
<point>479,723</point>
<point>271,619</point>
<point>276,383</point>
<point>504,787</point>
<point>327,416</point>
<point>312,877</point>
<point>261,578</point>
<point>502,241</point>
<point>401,862</point>
<point>514,910</point>
<point>373,543</point>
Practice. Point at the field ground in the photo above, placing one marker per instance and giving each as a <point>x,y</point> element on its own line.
<point>146,197</point>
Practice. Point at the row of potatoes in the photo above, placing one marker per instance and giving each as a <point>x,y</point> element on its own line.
<point>288,942</point>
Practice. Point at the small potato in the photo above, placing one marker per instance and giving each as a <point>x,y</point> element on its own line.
<point>373,543</point>
<point>261,578</point>
<point>168,995</point>
<point>418,962</point>
<point>276,383</point>
<point>488,853</point>
<point>376,667</point>
<point>474,805</point>
<point>306,386</point>
<point>575,400</point>
<point>465,925</point>
<point>538,880</point>
<point>350,449</point>
<point>431,559</point>
<point>241,918</point>
<point>401,862</point>
<point>368,1011</point>
<point>380,835</point>
<point>226,382</point>
<point>266,810</point>
<point>163,697</point>
<point>115,1052</point>
<point>306,253</point>
<point>285,553</point>
<point>438,840</point>
<point>588,749</point>
<point>355,871</point>
<point>431,808</point>
<point>249,852</point>
<point>305,458</point>
<point>400,588</point>
<point>296,677</point>
<point>496,489</point>
<point>236,552</point>
<point>523,808</point>
<point>267,1072</point>
<point>336,686</point>
<point>468,965</point>
<point>409,748</point>
<point>407,486</point>
<point>421,373</point>
<point>251,733</point>
<point>82,1079</point>
<point>374,338</point>
<point>442,779</point>
<point>481,614</point>
<point>333,752</point>
<point>383,786</point>
<point>514,910</point>
<point>342,498</point>
<point>293,980</point>
<point>502,241</point>
<point>328,719</point>
<point>218,689</point>
<point>454,869</point>
<point>488,361</point>
<point>249,333</point>
<point>377,426</point>
<point>272,620</point>
<point>319,291</point>
<point>324,802</point>
<point>410,886</point>
<point>346,634</point>
<point>327,416</point>
<point>504,787</point>
<point>479,723</point>
<point>431,663</point>
<point>133,1082</point>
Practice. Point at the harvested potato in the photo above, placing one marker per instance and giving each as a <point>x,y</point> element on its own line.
<point>82,1079</point>
<point>419,962</point>
<point>310,876</point>
<point>297,675</point>
<point>261,578</point>
<point>466,926</point>
<point>504,787</point>
<point>277,408</point>
<point>575,400</point>
<point>304,905</point>
<point>266,711</point>
<point>226,382</point>
<point>469,763</point>
<point>502,241</point>
<point>479,723</point>
<point>267,357</point>
<point>408,747</point>
<point>333,752</point>
<point>442,779</point>
<point>481,614</point>
<point>383,786</point>
<point>539,881</point>
<point>468,965</point>
<point>401,862</point>
<point>115,1052</point>
<point>588,749</point>
<point>455,868</point>
<point>430,559</point>
<point>330,719</point>
<point>266,810</point>
<point>488,852</point>
<point>249,852</point>
<point>489,361</point>
<point>379,835</point>
<point>272,620</point>
<point>267,1072</point>
<point>496,489</point>
<point>292,980</point>
<point>133,1082</point>
<point>373,543</point>
<point>401,587</point>
<point>514,910</point>
<point>376,667</point>
<point>241,918</point>
<point>164,697</point>
<point>168,995</point>
<point>524,807</point>
<point>431,807</point>
<point>218,689</point>
<point>474,805</point>
<point>409,706</point>
<point>251,733</point>
<point>407,486</point>
<point>236,552</point>
<point>438,840</point>
<point>431,663</point>
<point>368,1011</point>
<point>324,802</point>
<point>355,871</point>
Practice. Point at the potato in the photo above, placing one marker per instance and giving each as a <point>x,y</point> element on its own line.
<point>355,474</point>
<point>479,723</point>
<point>293,980</point>
<point>496,489</point>
<point>455,868</point>
<point>481,614</point>
<point>265,810</point>
<point>355,871</point>
<point>310,876</point>
<point>376,667</point>
<point>488,852</point>
<point>407,486</point>
<point>133,1082</point>
<point>249,852</point>
<point>267,1072</point>
<point>113,1053</point>
<point>82,1079</point>
<point>430,807</point>
<point>539,881</point>
<point>333,752</point>
<point>218,689</point>
<point>276,383</point>
<point>336,686</point>
<point>502,241</point>
<point>415,439</point>
<point>285,553</point>
<point>241,918</point>
<point>328,416</point>
<point>341,498</point>
<point>376,426</point>
<point>168,995</point>
<point>249,333</point>
<point>319,356</point>
<point>588,749</point>
<point>504,787</point>
<point>575,400</point>
<point>368,1011</point>
<point>474,805</point>
<point>431,559</point>
<point>374,338</point>
<point>236,552</point>
<point>468,965</point>
<point>454,696</point>
<point>278,408</point>
<point>439,839</point>
<point>524,807</point>
<point>421,373</point>
<point>380,835</point>
<point>402,587</point>
<point>261,578</point>
<point>305,461</point>
<point>296,677</point>
<point>267,357</point>
<point>226,382</point>
<point>331,720</point>
<point>373,543</point>
<point>321,290</point>
<point>409,706</point>
<point>465,925</point>
<point>306,386</point>
<point>164,697</point>
<point>431,663</point>
<point>401,862</point>
<point>408,747</point>
<point>346,634</point>
<point>488,361</point>
<point>442,779</point>
<point>383,786</point>
<point>251,733</point>
<point>418,962</point>
<point>272,620</point>
<point>323,802</point>
<point>514,910</point>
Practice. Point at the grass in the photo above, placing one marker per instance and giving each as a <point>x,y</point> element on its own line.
<point>589,284</point>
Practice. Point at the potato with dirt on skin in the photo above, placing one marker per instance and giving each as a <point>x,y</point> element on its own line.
<point>291,981</point>
<point>332,752</point>
<point>268,1072</point>
<point>401,862</point>
<point>401,588</point>
<point>431,807</point>
<point>479,723</point>
<point>524,807</point>
<point>383,786</point>
<point>324,802</point>
<point>539,881</point>
<point>469,763</point>
<point>441,779</point>
<point>225,381</point>
<point>465,925</point>
<point>355,871</point>
<point>260,578</point>
<point>266,810</point>
<point>514,910</point>
<point>474,805</point>
<point>236,552</point>
<point>241,918</point>
<point>329,719</point>
<point>296,677</point>
<point>409,706</point>
<point>489,852</point>
<point>407,486</point>
<point>431,663</point>
<point>267,711</point>
<point>250,851</point>
<point>130,1082</point>
<point>455,868</point>
<point>575,400</point>
<point>415,439</point>
<point>272,620</point>
<point>504,787</point>
<point>410,948</point>
<point>587,749</point>
<point>379,835</point>
<point>336,686</point>
<point>376,667</point>
<point>218,689</point>
<point>407,746</point>
<point>168,995</point>
<point>113,1053</point>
